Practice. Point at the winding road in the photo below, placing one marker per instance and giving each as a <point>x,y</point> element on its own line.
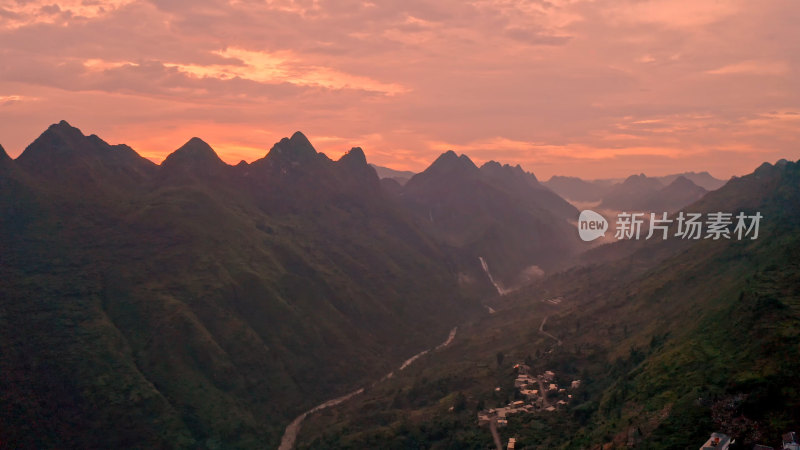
<point>541,330</point>
<point>495,435</point>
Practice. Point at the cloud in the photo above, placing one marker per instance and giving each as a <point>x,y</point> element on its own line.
<point>672,13</point>
<point>557,85</point>
<point>752,68</point>
<point>283,67</point>
<point>29,12</point>
<point>8,100</point>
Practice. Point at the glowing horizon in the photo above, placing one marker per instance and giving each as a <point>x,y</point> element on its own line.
<point>588,88</point>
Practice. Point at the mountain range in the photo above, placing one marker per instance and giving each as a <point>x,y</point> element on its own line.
<point>195,304</point>
<point>671,341</point>
<point>198,303</point>
<point>637,192</point>
<point>641,193</point>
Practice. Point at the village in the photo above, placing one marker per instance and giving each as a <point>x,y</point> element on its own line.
<point>541,394</point>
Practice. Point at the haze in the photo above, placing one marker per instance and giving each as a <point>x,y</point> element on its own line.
<point>587,88</point>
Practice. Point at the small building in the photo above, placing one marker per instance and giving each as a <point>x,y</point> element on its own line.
<point>553,387</point>
<point>549,375</point>
<point>517,404</point>
<point>575,384</point>
<point>502,422</point>
<point>523,380</point>
<point>550,408</point>
<point>483,418</point>
<point>790,441</point>
<point>512,443</point>
<point>717,441</point>
<point>562,390</point>
<point>529,393</point>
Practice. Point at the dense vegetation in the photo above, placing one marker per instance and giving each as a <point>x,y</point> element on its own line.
<point>672,340</point>
<point>196,304</point>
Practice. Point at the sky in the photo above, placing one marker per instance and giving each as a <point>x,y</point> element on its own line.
<point>588,88</point>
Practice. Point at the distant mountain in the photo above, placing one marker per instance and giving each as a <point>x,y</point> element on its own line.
<point>525,185</point>
<point>702,179</point>
<point>641,193</point>
<point>679,193</point>
<point>499,213</point>
<point>576,189</point>
<point>401,176</point>
<point>631,193</point>
<point>196,304</point>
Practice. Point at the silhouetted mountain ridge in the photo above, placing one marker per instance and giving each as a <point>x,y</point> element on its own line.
<point>4,158</point>
<point>62,152</point>
<point>499,213</point>
<point>193,159</point>
<point>194,152</point>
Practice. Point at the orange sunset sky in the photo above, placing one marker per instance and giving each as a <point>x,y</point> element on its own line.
<point>591,88</point>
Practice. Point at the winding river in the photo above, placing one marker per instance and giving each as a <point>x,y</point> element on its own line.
<point>293,429</point>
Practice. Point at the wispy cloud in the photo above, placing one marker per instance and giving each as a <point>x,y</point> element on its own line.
<point>752,68</point>
<point>283,67</point>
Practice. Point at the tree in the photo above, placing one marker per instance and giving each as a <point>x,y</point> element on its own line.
<point>460,402</point>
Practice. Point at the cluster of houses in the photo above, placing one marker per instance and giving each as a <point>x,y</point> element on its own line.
<point>538,392</point>
<point>720,441</point>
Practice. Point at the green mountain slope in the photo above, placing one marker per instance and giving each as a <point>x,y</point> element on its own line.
<point>675,340</point>
<point>196,304</point>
